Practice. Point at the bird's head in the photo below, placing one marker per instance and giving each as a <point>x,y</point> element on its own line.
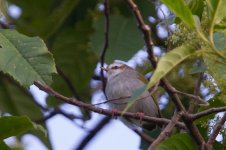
<point>115,69</point>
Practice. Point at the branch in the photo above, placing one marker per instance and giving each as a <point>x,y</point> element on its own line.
<point>207,112</point>
<point>144,136</point>
<point>196,92</point>
<point>216,131</point>
<point>93,133</point>
<point>194,97</point>
<point>106,36</point>
<point>166,132</point>
<point>167,86</point>
<point>57,111</point>
<point>145,29</point>
<point>75,102</point>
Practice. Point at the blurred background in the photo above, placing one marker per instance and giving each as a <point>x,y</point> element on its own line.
<point>73,31</point>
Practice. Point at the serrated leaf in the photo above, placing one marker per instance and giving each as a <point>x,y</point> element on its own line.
<point>15,125</point>
<point>181,10</point>
<point>124,38</point>
<point>178,142</point>
<point>169,61</point>
<point>24,58</point>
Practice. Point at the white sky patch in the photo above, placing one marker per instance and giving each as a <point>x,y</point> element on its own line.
<point>172,27</point>
<point>138,59</point>
<point>157,51</point>
<point>163,12</point>
<point>100,6</point>
<point>14,11</point>
<point>151,19</point>
<point>32,143</point>
<point>163,101</point>
<point>162,32</point>
<point>39,95</point>
<point>97,70</point>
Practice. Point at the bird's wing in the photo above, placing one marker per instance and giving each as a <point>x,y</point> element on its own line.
<point>145,81</point>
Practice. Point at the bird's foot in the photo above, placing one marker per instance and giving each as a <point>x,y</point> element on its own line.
<point>114,111</point>
<point>140,115</point>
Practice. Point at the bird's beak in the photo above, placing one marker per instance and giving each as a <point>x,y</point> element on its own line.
<point>104,69</point>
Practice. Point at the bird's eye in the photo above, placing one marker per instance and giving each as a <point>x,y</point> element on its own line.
<point>115,67</point>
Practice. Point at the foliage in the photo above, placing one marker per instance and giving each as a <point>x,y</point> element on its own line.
<point>58,43</point>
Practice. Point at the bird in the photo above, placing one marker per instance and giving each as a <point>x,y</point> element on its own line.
<point>122,81</point>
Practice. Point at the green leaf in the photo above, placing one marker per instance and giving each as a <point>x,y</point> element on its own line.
<point>219,39</point>
<point>24,58</point>
<point>216,10</point>
<point>124,38</point>
<point>58,16</point>
<point>15,125</point>
<point>216,66</point>
<point>196,7</point>
<point>17,100</point>
<point>73,57</point>
<point>181,10</point>
<point>178,142</point>
<point>169,61</point>
<point>3,8</point>
<point>4,146</point>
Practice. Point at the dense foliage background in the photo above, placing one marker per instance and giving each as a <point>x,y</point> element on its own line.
<point>59,43</point>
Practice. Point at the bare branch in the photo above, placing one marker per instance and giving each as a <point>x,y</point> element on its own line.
<point>105,46</point>
<point>207,112</point>
<point>194,97</point>
<point>75,102</point>
<point>166,132</point>
<point>196,92</point>
<point>145,30</point>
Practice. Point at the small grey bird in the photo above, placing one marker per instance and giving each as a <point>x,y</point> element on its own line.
<point>122,81</point>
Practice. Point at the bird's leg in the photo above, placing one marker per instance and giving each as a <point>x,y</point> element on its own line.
<point>140,115</point>
<point>114,111</point>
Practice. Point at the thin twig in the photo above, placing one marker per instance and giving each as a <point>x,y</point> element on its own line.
<point>57,111</point>
<point>144,136</point>
<point>166,132</point>
<point>196,92</point>
<point>194,97</point>
<point>93,133</point>
<point>75,102</point>
<point>106,43</point>
<point>207,112</point>
<point>216,131</point>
